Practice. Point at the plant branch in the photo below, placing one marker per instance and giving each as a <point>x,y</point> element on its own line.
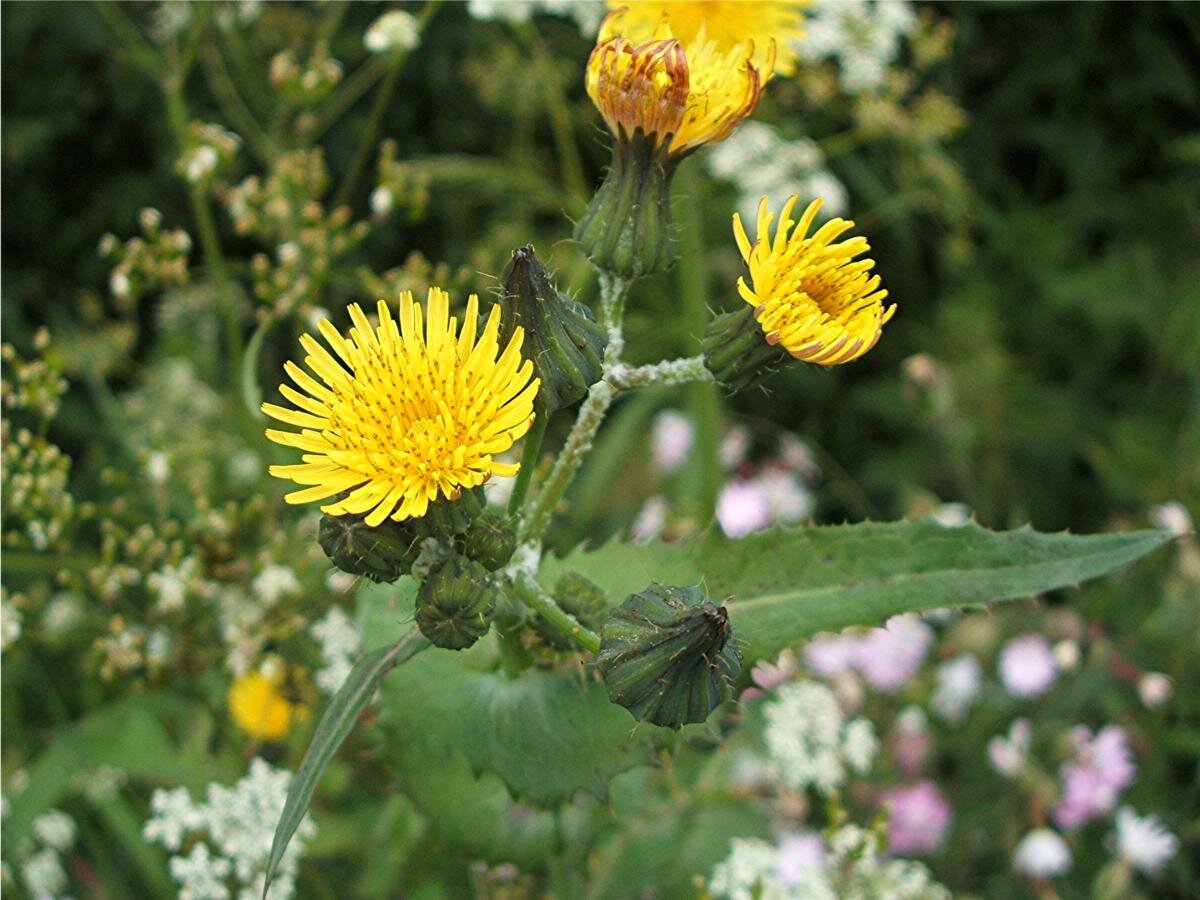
<point>685,370</point>
<point>529,458</point>
<point>535,597</point>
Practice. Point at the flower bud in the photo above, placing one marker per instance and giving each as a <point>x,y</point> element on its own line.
<point>667,657</point>
<point>626,229</point>
<point>562,337</point>
<point>736,353</point>
<point>446,517</point>
<point>582,599</point>
<point>490,541</point>
<point>455,604</point>
<point>382,553</point>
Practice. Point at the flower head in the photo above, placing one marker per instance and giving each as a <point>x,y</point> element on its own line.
<point>1042,853</point>
<point>406,412</point>
<point>727,23</point>
<point>681,93</point>
<point>259,708</point>
<point>809,294</point>
<point>918,816</point>
<point>1143,841</point>
<point>1027,666</point>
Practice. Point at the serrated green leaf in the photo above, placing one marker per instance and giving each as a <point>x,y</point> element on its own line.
<point>335,724</point>
<point>786,584</point>
<point>547,735</point>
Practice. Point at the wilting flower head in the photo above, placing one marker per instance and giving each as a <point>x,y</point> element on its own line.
<point>406,412</point>
<point>682,93</point>
<point>809,294</point>
<point>766,24</point>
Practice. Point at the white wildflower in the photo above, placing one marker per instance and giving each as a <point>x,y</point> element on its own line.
<point>173,816</point>
<point>748,873</point>
<point>394,30</point>
<point>43,873</point>
<point>287,252</point>
<point>1066,655</point>
<point>119,284</point>
<point>1007,755</point>
<point>158,468</point>
<point>172,584</point>
<point>340,642</point>
<point>671,437</point>
<point>958,684</point>
<point>56,829</point>
<point>200,163</point>
<point>650,520</point>
<point>1143,841</point>
<point>382,200</point>
<point>201,875</point>
<point>274,583</point>
<point>1172,516</point>
<point>951,515</point>
<point>863,36</point>
<point>1042,854</point>
<point>1154,689</point>
<point>809,742</point>
<point>10,624</point>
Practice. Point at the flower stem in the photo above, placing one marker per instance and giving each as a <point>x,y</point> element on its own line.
<point>591,414</point>
<point>529,458</point>
<point>670,371</point>
<point>535,597</point>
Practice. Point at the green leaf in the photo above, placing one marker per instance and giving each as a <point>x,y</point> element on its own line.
<point>335,724</point>
<point>786,584</point>
<point>546,734</point>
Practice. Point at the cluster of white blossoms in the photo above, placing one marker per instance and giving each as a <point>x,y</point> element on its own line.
<point>274,583</point>
<point>958,684</point>
<point>863,36</point>
<point>40,858</point>
<point>803,866</point>
<point>394,30</point>
<point>229,834</point>
<point>340,642</point>
<point>760,162</point>
<point>587,13</point>
<point>810,742</point>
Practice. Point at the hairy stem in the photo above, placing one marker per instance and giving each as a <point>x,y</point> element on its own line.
<point>535,597</point>
<point>685,370</point>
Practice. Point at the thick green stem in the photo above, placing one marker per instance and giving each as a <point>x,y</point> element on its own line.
<point>685,370</point>
<point>529,458</point>
<point>533,596</point>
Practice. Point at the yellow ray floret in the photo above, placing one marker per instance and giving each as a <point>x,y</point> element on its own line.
<point>684,95</point>
<point>404,412</point>
<point>810,295</point>
<point>728,23</point>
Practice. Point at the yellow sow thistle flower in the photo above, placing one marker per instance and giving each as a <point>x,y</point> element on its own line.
<point>728,23</point>
<point>258,708</point>
<point>808,295</point>
<point>404,413</point>
<point>662,99</point>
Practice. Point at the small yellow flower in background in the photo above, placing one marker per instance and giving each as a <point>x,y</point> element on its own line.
<point>809,293</point>
<point>727,23</point>
<point>407,412</point>
<point>682,94</point>
<point>259,708</point>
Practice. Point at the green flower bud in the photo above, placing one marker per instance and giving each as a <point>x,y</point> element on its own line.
<point>562,337</point>
<point>382,553</point>
<point>582,599</point>
<point>626,229</point>
<point>446,517</point>
<point>667,657</point>
<point>455,604</point>
<point>490,541</point>
<point>737,352</point>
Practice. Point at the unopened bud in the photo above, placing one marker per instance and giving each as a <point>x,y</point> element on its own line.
<point>562,337</point>
<point>382,553</point>
<point>666,655</point>
<point>446,517</point>
<point>490,540</point>
<point>455,604</point>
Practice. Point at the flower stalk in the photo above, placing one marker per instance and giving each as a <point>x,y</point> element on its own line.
<point>532,595</point>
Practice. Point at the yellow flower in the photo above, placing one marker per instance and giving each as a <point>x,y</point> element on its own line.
<point>728,23</point>
<point>681,95</point>
<point>406,412</point>
<point>809,294</point>
<point>258,707</point>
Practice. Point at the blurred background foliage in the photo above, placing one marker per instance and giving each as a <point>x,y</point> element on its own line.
<point>1029,183</point>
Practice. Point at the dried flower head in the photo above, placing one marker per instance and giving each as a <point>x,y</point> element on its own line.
<point>809,294</point>
<point>406,412</point>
